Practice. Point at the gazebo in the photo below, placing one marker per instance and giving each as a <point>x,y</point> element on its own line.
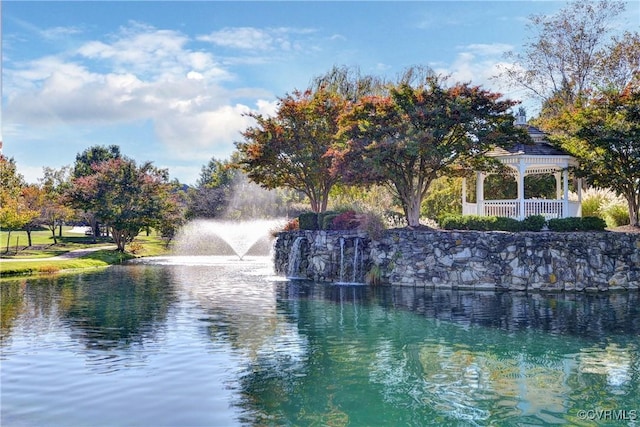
<point>523,160</point>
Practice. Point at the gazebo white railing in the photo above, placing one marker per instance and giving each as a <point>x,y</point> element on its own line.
<point>515,209</point>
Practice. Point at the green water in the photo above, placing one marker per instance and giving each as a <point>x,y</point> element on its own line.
<point>201,341</point>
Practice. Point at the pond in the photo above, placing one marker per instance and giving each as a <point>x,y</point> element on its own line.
<point>213,341</point>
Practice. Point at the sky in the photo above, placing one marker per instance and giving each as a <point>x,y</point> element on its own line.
<point>171,82</point>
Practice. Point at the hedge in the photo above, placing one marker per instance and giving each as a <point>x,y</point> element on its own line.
<point>531,223</point>
<point>587,223</point>
<point>308,221</point>
<point>491,223</point>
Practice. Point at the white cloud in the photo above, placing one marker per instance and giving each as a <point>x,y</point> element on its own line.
<point>477,63</point>
<point>152,53</point>
<point>241,38</point>
<point>282,39</point>
<point>484,49</point>
<point>140,75</point>
<point>199,135</point>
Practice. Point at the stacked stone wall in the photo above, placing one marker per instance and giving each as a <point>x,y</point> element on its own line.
<point>591,261</point>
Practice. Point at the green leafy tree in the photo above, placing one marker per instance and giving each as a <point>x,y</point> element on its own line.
<point>294,148</point>
<point>421,132</point>
<point>92,156</point>
<point>604,136</point>
<point>211,195</point>
<point>125,196</point>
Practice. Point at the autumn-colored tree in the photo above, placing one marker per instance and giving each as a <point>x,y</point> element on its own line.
<point>604,135</point>
<point>124,196</point>
<point>53,211</point>
<point>33,199</point>
<point>293,149</point>
<point>14,211</point>
<point>418,133</point>
<point>83,166</point>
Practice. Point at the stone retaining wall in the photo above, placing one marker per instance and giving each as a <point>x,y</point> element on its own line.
<point>473,260</point>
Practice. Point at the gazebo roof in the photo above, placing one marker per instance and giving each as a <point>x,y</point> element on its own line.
<point>539,157</point>
<point>540,147</point>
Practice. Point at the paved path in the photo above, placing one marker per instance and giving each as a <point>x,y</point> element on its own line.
<point>68,255</point>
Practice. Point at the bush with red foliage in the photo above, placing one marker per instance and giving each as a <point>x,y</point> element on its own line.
<point>345,221</point>
<point>292,225</point>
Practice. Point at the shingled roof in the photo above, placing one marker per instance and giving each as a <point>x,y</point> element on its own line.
<point>540,146</point>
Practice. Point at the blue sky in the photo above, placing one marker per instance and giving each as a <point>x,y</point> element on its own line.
<point>171,82</point>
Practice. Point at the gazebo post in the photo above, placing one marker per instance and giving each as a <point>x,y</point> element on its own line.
<point>464,193</point>
<point>565,185</point>
<point>480,193</point>
<point>522,168</point>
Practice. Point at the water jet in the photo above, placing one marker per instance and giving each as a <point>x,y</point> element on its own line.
<point>225,237</point>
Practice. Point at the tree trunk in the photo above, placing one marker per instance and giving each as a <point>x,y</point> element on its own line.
<point>634,210</point>
<point>8,239</point>
<point>119,239</point>
<point>53,233</point>
<point>412,210</point>
<point>28,230</point>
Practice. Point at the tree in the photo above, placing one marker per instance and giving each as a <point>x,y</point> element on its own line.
<point>604,136</point>
<point>418,133</point>
<point>126,197</point>
<point>33,199</point>
<point>175,214</point>
<point>565,56</point>
<point>83,166</point>
<point>91,156</point>
<point>14,212</point>
<point>294,149</point>
<point>211,195</point>
<point>619,64</point>
<point>53,211</point>
<point>348,82</point>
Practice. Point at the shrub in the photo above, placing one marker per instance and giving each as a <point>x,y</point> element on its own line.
<point>374,275</point>
<point>533,223</point>
<point>373,224</point>
<point>506,224</point>
<point>135,247</point>
<point>292,225</point>
<point>593,223</point>
<point>345,221</point>
<point>616,215</point>
<point>492,223</point>
<point>325,219</point>
<point>565,224</point>
<point>605,204</point>
<point>588,223</point>
<point>308,221</point>
<point>467,222</point>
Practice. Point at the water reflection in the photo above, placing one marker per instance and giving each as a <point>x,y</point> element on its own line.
<point>209,341</point>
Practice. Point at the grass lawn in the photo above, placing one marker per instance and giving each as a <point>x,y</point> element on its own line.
<point>43,247</point>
